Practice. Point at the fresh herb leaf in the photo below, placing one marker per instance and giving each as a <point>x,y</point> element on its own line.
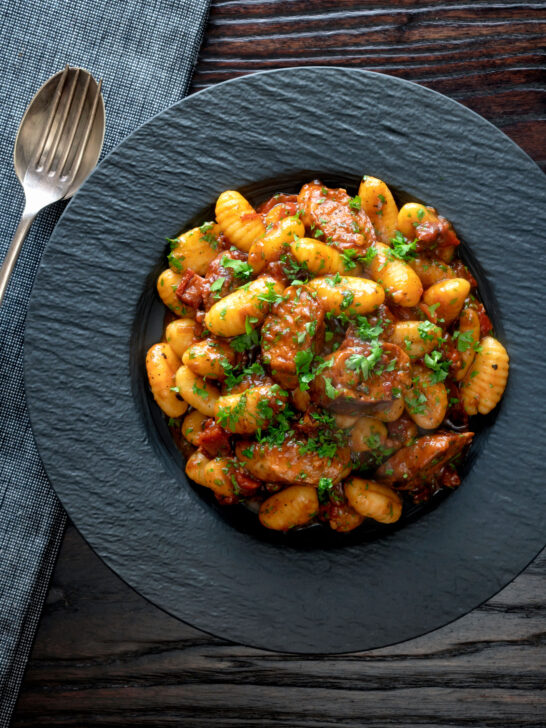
<point>369,255</point>
<point>363,363</point>
<point>402,248</point>
<point>439,367</point>
<point>329,388</point>
<point>216,286</point>
<point>241,269</point>
<point>426,329</point>
<point>465,340</point>
<point>324,489</point>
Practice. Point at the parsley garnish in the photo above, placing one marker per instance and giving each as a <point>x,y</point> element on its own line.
<point>196,389</point>
<point>333,280</point>
<point>271,296</point>
<point>355,203</point>
<point>465,340</point>
<point>348,257</point>
<point>175,262</point>
<point>247,340</point>
<point>228,417</point>
<point>366,331</point>
<point>324,489</point>
<point>369,255</point>
<point>426,329</point>
<point>278,430</point>
<point>365,364</point>
<point>440,368</point>
<point>216,286</point>
<point>325,443</point>
<point>402,248</point>
<point>303,361</point>
<point>329,388</point>
<point>208,237</point>
<point>416,403</point>
<point>240,268</point>
<point>348,298</point>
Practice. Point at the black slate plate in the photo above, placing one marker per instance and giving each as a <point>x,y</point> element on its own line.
<point>93,314</point>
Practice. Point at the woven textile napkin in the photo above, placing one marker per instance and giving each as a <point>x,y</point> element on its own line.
<point>145,51</point>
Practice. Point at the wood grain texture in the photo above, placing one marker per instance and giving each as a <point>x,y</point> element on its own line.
<point>103,656</point>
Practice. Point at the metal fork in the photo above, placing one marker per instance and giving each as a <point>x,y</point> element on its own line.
<point>58,144</point>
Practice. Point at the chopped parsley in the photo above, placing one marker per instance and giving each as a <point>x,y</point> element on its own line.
<point>366,331</point>
<point>324,489</point>
<point>439,366</point>
<point>175,262</point>
<point>416,403</point>
<point>355,203</point>
<point>326,442</point>
<point>369,255</point>
<point>365,364</point>
<point>247,340</point>
<point>348,298</point>
<point>329,388</point>
<point>402,248</point>
<point>295,272</point>
<point>207,236</point>
<point>216,286</point>
<point>465,340</point>
<point>228,417</point>
<point>310,329</point>
<point>196,389</point>
<point>348,258</point>
<point>427,330</point>
<point>240,268</point>
<point>270,296</point>
<point>303,361</point>
<point>278,430</point>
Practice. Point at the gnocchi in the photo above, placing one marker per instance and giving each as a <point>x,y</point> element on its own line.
<point>485,382</point>
<point>246,307</point>
<point>400,282</point>
<point>274,242</point>
<point>347,294</point>
<point>161,366</point>
<point>322,355</point>
<point>238,220</point>
<point>379,205</point>
<point>195,249</point>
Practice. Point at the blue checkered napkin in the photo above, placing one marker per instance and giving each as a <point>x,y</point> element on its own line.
<point>145,51</point>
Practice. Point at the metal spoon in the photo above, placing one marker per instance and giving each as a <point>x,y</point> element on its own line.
<point>58,144</point>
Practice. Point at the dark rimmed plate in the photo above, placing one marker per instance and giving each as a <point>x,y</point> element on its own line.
<point>93,314</point>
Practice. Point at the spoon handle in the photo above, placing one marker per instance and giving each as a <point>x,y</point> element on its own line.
<point>14,250</point>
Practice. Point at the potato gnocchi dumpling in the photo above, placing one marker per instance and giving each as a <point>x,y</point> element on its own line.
<point>323,355</point>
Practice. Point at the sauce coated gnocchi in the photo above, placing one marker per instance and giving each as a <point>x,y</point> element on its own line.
<point>323,354</point>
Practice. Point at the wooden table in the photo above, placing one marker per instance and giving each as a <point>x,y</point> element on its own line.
<point>103,656</point>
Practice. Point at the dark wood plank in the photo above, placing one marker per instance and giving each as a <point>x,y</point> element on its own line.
<point>103,656</point>
<point>487,55</point>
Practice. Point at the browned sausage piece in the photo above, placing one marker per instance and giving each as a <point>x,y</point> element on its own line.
<point>329,218</point>
<point>294,324</point>
<point>290,463</point>
<point>357,379</point>
<point>226,275</point>
<point>417,463</point>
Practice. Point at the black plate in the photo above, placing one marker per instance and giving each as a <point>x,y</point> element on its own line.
<point>93,313</point>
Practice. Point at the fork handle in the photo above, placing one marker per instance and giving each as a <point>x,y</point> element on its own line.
<point>14,249</point>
